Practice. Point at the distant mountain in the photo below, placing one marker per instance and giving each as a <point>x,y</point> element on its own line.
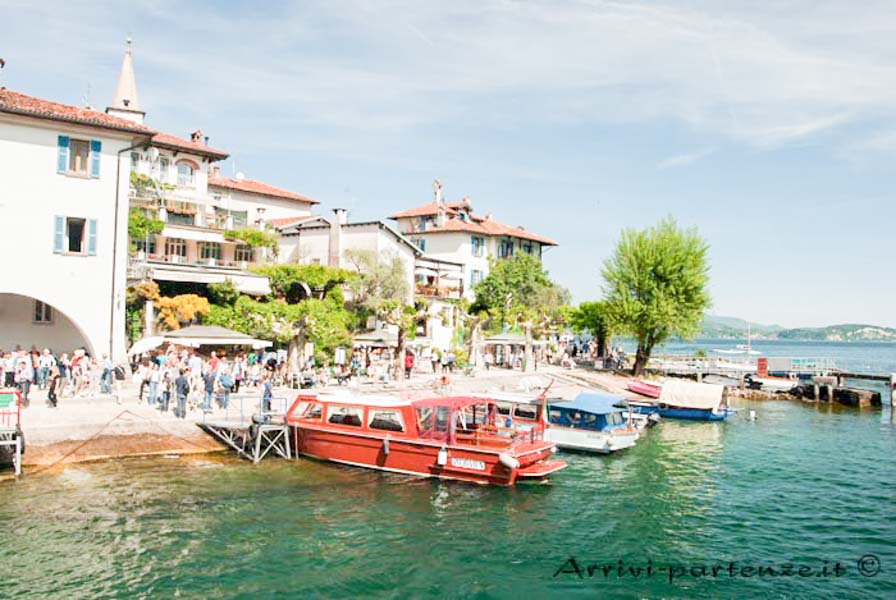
<point>841,333</point>
<point>733,328</point>
<point>715,326</point>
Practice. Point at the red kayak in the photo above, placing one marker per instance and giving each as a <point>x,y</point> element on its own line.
<point>651,390</point>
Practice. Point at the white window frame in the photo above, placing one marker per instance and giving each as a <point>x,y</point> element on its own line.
<point>343,409</point>
<point>66,241</point>
<point>371,417</point>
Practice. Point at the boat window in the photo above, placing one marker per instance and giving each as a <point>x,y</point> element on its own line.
<point>424,418</point>
<point>387,420</point>
<point>589,421</point>
<point>615,418</point>
<point>555,416</point>
<point>313,411</point>
<point>504,408</point>
<point>442,418</point>
<point>345,415</point>
<point>526,411</point>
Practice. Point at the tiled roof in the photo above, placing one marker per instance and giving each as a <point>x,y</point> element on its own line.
<point>257,187</point>
<point>169,141</point>
<point>486,227</point>
<point>287,221</point>
<point>21,104</point>
<point>427,209</point>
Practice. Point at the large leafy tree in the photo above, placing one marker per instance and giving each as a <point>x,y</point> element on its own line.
<point>593,317</point>
<point>294,283</point>
<point>655,285</point>
<point>380,287</point>
<point>518,291</point>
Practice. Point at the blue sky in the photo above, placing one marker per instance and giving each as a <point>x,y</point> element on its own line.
<point>769,129</point>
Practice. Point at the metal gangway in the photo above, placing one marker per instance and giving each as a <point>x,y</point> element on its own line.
<point>12,440</point>
<point>253,432</point>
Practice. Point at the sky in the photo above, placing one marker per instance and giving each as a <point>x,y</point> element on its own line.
<point>770,127</point>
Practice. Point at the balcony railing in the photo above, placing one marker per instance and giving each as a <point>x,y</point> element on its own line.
<point>432,291</point>
<point>175,259</point>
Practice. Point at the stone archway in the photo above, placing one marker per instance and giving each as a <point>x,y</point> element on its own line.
<point>26,324</point>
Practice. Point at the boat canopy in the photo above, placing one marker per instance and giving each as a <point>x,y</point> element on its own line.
<point>688,394</point>
<point>454,402</point>
<point>597,404</point>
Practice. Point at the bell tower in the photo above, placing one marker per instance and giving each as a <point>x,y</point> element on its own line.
<point>125,105</point>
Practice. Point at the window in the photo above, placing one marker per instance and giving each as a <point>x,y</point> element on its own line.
<point>146,245</point>
<point>243,252</point>
<point>475,277</point>
<point>345,415</point>
<point>181,218</point>
<point>184,173</point>
<point>424,418</point>
<point>175,247</point>
<point>164,165</point>
<point>420,243</point>
<point>43,313</point>
<point>421,223</point>
<point>78,153</point>
<point>313,411</point>
<point>72,235</point>
<point>210,250</point>
<point>505,249</point>
<point>386,420</point>
<point>478,246</point>
<point>524,411</point>
<point>240,217</point>
<point>135,159</point>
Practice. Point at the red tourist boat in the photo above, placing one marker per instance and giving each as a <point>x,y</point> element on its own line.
<point>449,438</point>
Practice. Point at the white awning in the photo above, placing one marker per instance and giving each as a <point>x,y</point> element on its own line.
<point>190,233</point>
<point>451,275</point>
<point>244,282</point>
<point>425,272</point>
<point>146,344</point>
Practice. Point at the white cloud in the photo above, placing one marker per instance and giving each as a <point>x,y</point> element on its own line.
<point>682,160</point>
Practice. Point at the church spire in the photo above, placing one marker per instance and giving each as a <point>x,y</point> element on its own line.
<point>125,104</point>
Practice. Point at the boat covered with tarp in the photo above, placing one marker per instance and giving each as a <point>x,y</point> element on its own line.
<point>683,399</point>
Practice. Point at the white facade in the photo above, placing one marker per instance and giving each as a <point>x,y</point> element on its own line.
<point>65,235</point>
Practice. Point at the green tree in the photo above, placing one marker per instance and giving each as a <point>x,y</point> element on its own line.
<point>518,291</point>
<point>294,283</point>
<point>141,226</point>
<point>593,317</point>
<point>380,287</point>
<point>655,285</point>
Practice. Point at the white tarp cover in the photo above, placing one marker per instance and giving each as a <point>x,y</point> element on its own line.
<point>688,394</point>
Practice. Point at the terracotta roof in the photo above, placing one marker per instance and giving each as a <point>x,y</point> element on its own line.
<point>495,228</point>
<point>169,141</point>
<point>287,221</point>
<point>257,187</point>
<point>21,104</point>
<point>427,209</point>
<point>476,224</point>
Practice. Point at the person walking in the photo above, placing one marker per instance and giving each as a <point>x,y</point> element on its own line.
<point>166,389</point>
<point>154,379</point>
<point>44,362</point>
<point>181,388</point>
<point>53,381</point>
<point>434,359</point>
<point>225,381</point>
<point>24,378</point>
<point>408,363</point>
<point>267,395</point>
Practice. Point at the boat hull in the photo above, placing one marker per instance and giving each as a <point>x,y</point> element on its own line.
<point>583,440</point>
<point>461,462</point>
<point>645,389</point>
<point>686,414</point>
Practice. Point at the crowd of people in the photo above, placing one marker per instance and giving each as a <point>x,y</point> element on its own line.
<point>72,375</point>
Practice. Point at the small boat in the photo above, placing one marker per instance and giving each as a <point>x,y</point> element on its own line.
<point>458,438</point>
<point>644,388</point>
<point>682,399</point>
<point>769,383</point>
<point>590,423</point>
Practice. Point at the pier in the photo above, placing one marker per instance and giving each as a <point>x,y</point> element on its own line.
<point>252,432</point>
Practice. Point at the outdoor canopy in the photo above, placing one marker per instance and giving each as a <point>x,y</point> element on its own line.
<point>199,335</point>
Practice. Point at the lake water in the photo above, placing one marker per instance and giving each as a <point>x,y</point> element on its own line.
<point>803,484</point>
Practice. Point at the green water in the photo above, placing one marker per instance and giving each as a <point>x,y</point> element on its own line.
<point>801,485</point>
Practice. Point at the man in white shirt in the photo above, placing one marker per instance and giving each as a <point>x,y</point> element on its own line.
<point>44,363</point>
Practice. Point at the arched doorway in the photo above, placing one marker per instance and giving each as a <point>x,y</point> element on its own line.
<point>27,322</point>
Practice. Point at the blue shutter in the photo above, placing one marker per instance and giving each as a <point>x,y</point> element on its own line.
<point>58,234</point>
<point>62,155</point>
<point>91,237</point>
<point>96,147</point>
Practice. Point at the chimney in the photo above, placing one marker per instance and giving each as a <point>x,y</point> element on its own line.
<point>440,217</point>
<point>340,217</point>
<point>216,171</point>
<point>196,137</point>
<point>205,140</point>
<point>488,216</point>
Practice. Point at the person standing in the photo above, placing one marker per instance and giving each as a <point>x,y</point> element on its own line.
<point>24,378</point>
<point>434,359</point>
<point>166,389</point>
<point>226,381</point>
<point>267,395</point>
<point>181,388</point>
<point>154,378</point>
<point>52,385</point>
<point>408,363</point>
<point>208,381</point>
<point>44,362</point>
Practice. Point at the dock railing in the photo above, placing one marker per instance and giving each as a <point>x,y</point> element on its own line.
<point>242,407</point>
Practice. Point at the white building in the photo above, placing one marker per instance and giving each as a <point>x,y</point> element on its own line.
<point>452,232</point>
<point>64,209</point>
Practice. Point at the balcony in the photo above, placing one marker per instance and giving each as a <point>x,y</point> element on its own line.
<point>174,267</point>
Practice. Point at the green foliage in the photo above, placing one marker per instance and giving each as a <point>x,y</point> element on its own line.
<point>321,321</point>
<point>289,281</point>
<point>380,286</point>
<point>224,293</point>
<point>141,226</point>
<point>133,322</point>
<point>655,285</point>
<point>144,184</point>
<point>256,238</point>
<point>594,318</point>
<point>518,290</point>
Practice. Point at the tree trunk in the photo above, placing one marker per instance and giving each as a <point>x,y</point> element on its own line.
<point>475,332</point>
<point>398,359</point>
<point>641,357</point>
<point>294,354</point>
<point>528,364</point>
<point>603,342</point>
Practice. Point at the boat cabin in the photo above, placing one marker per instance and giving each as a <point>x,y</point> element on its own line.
<point>593,412</point>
